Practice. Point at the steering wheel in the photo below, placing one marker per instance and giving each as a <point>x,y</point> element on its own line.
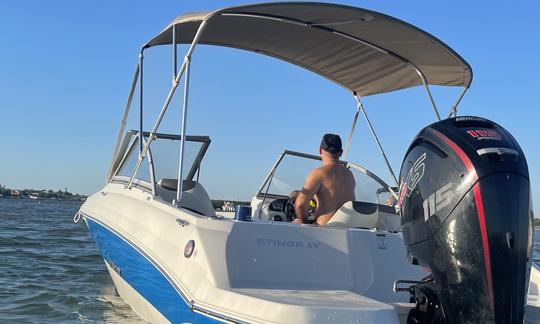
<point>290,214</point>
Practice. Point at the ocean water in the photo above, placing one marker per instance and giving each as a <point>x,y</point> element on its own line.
<point>51,271</point>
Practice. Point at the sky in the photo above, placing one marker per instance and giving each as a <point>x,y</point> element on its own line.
<point>66,68</point>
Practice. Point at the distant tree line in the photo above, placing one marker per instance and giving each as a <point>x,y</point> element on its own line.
<point>41,194</point>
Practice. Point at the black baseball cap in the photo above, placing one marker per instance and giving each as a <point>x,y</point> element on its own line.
<point>331,143</point>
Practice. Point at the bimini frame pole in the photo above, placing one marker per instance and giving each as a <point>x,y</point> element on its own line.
<point>349,138</point>
<point>180,185</point>
<point>124,118</point>
<point>424,82</point>
<point>175,55</point>
<point>453,110</point>
<point>141,59</point>
<point>168,100</point>
<point>361,107</point>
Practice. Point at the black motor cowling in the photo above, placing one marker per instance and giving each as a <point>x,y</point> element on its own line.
<point>466,211</point>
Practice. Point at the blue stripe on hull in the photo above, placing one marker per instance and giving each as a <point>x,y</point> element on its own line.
<point>143,276</point>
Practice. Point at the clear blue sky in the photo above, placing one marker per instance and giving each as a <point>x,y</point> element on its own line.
<point>65,69</point>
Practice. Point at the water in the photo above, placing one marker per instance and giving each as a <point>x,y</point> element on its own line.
<point>51,271</point>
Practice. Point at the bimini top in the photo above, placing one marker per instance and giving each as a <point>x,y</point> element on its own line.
<point>364,51</point>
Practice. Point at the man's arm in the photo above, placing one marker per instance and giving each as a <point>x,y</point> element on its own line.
<point>311,187</point>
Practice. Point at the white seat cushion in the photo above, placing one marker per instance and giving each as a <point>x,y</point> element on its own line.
<point>359,214</point>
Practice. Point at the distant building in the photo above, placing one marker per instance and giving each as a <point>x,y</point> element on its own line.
<point>228,206</point>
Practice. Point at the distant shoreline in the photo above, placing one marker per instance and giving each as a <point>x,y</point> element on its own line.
<point>42,194</point>
<point>53,199</point>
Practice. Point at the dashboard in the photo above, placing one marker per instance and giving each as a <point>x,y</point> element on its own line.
<point>282,210</point>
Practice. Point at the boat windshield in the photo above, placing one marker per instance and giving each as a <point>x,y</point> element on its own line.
<point>292,168</point>
<point>163,157</point>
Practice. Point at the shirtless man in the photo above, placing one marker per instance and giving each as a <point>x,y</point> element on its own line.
<point>332,184</point>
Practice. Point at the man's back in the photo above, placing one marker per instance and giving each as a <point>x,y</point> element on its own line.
<point>336,187</point>
<point>332,184</point>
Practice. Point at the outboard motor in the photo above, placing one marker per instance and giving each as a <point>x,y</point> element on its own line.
<point>466,211</point>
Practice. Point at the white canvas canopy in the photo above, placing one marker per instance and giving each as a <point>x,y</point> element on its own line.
<point>364,51</point>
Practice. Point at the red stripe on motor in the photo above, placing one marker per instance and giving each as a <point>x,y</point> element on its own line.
<point>479,207</point>
<point>483,230</point>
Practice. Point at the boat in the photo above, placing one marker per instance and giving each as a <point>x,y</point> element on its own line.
<point>448,242</point>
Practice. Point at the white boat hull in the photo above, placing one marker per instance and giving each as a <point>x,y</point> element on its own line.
<point>248,272</point>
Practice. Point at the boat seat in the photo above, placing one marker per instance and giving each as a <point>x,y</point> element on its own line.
<point>359,214</point>
<point>194,196</point>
